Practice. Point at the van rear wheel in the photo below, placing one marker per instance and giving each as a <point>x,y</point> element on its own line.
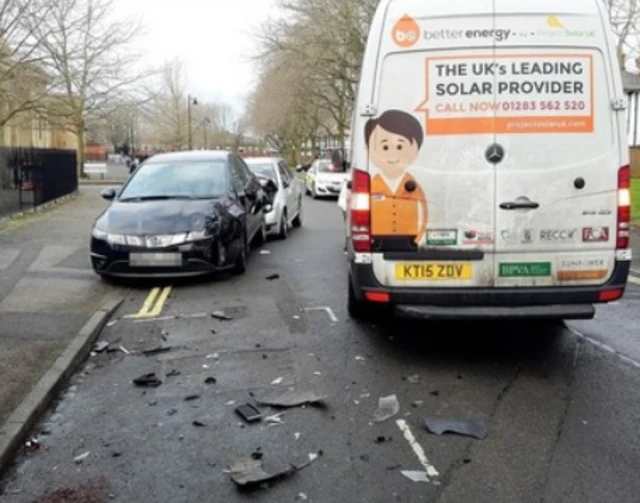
<point>358,309</point>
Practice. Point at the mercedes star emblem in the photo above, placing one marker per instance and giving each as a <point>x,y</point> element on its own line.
<point>494,154</point>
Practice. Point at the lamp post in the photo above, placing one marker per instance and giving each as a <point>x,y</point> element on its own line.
<point>190,101</point>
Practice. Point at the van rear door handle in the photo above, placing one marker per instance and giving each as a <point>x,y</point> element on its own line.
<point>519,205</point>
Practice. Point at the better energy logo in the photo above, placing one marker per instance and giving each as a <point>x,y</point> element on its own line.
<point>406,32</point>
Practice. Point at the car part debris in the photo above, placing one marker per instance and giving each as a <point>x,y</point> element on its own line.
<point>275,419</point>
<point>302,497</point>
<point>416,476</point>
<point>156,351</point>
<point>100,347</point>
<point>249,413</point>
<point>147,381</point>
<point>293,398</point>
<point>173,373</point>
<point>198,424</point>
<point>210,380</point>
<point>414,379</point>
<point>441,425</point>
<point>191,398</point>
<point>79,459</point>
<point>246,472</point>
<point>277,381</point>
<point>382,439</point>
<point>388,406</point>
<point>220,315</point>
<point>273,277</point>
<point>265,252</point>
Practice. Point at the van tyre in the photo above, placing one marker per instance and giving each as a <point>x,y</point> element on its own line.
<point>297,222</point>
<point>358,309</point>
<point>283,231</point>
<point>240,266</point>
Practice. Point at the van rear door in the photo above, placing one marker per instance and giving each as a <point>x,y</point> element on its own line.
<point>557,152</point>
<point>432,77</point>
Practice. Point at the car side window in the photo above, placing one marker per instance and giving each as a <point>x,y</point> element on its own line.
<point>236,177</point>
<point>284,173</point>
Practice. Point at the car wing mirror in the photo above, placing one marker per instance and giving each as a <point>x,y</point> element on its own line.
<point>108,194</point>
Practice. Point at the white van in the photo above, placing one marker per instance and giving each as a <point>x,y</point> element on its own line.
<point>490,167</point>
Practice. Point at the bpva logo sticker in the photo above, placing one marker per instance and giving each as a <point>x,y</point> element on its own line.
<point>406,32</point>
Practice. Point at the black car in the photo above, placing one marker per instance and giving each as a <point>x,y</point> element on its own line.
<point>181,214</point>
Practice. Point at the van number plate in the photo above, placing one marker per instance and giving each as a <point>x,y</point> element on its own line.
<point>435,272</point>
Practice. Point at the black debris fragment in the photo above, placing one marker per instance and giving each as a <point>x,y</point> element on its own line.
<point>393,468</point>
<point>147,381</point>
<point>248,472</point>
<point>156,351</point>
<point>434,393</point>
<point>273,277</point>
<point>257,455</point>
<point>210,380</point>
<point>293,398</point>
<point>249,413</point>
<point>173,373</point>
<point>467,428</point>
<point>172,412</point>
<point>214,331</point>
<point>191,398</point>
<point>220,315</point>
<point>198,424</point>
<point>382,439</point>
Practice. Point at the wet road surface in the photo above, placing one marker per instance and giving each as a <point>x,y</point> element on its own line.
<point>561,403</point>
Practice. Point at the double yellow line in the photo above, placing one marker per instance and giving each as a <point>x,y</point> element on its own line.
<point>153,304</point>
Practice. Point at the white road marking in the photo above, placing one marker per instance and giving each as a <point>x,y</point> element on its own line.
<point>634,280</point>
<point>326,309</point>
<point>417,448</point>
<point>606,347</point>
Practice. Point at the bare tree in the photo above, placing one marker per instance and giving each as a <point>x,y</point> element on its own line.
<point>88,50</point>
<point>170,106</point>
<point>23,84</point>
<point>624,17</point>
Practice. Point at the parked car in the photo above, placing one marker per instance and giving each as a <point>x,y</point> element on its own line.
<point>181,214</point>
<point>287,198</point>
<point>325,179</point>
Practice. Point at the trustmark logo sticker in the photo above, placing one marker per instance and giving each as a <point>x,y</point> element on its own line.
<point>446,237</point>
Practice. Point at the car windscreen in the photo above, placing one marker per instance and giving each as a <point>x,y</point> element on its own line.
<point>266,169</point>
<point>190,180</point>
<point>329,167</point>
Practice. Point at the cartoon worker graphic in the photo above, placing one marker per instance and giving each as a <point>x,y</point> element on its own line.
<point>398,204</point>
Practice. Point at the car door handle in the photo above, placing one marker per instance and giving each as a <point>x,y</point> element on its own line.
<point>519,205</point>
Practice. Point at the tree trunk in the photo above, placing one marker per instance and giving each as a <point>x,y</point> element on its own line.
<point>5,179</point>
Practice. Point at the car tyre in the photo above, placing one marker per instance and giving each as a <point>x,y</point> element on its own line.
<point>297,222</point>
<point>358,309</point>
<point>283,229</point>
<point>240,266</point>
<point>261,236</point>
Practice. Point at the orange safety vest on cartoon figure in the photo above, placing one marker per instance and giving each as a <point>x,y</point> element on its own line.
<point>397,213</point>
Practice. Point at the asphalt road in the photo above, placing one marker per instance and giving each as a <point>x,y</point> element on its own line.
<point>561,404</point>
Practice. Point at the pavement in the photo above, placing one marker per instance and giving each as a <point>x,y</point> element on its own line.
<point>560,401</point>
<point>47,291</point>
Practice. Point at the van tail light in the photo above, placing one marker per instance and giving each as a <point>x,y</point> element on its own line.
<point>360,211</point>
<point>624,208</point>
<point>610,295</point>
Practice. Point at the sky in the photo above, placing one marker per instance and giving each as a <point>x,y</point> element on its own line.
<point>214,39</point>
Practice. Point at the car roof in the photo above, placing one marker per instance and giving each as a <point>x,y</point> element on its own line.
<point>190,155</point>
<point>261,160</point>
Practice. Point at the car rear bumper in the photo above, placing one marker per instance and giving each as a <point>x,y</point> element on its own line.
<point>571,302</point>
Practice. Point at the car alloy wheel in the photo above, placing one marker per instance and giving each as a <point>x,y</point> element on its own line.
<point>297,222</point>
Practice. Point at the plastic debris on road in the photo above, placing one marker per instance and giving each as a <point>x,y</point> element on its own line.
<point>147,381</point>
<point>467,428</point>
<point>388,406</point>
<point>220,315</point>
<point>249,471</point>
<point>416,476</point>
<point>293,398</point>
<point>249,413</point>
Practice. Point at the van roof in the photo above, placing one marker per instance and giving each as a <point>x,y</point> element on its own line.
<point>466,8</point>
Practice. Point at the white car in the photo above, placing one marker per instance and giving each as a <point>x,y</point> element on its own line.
<point>287,202</point>
<point>324,179</point>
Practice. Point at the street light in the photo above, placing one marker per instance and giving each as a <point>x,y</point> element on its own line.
<point>190,101</point>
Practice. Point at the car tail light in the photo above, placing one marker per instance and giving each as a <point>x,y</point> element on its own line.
<point>610,295</point>
<point>380,297</point>
<point>624,208</point>
<point>360,212</point>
